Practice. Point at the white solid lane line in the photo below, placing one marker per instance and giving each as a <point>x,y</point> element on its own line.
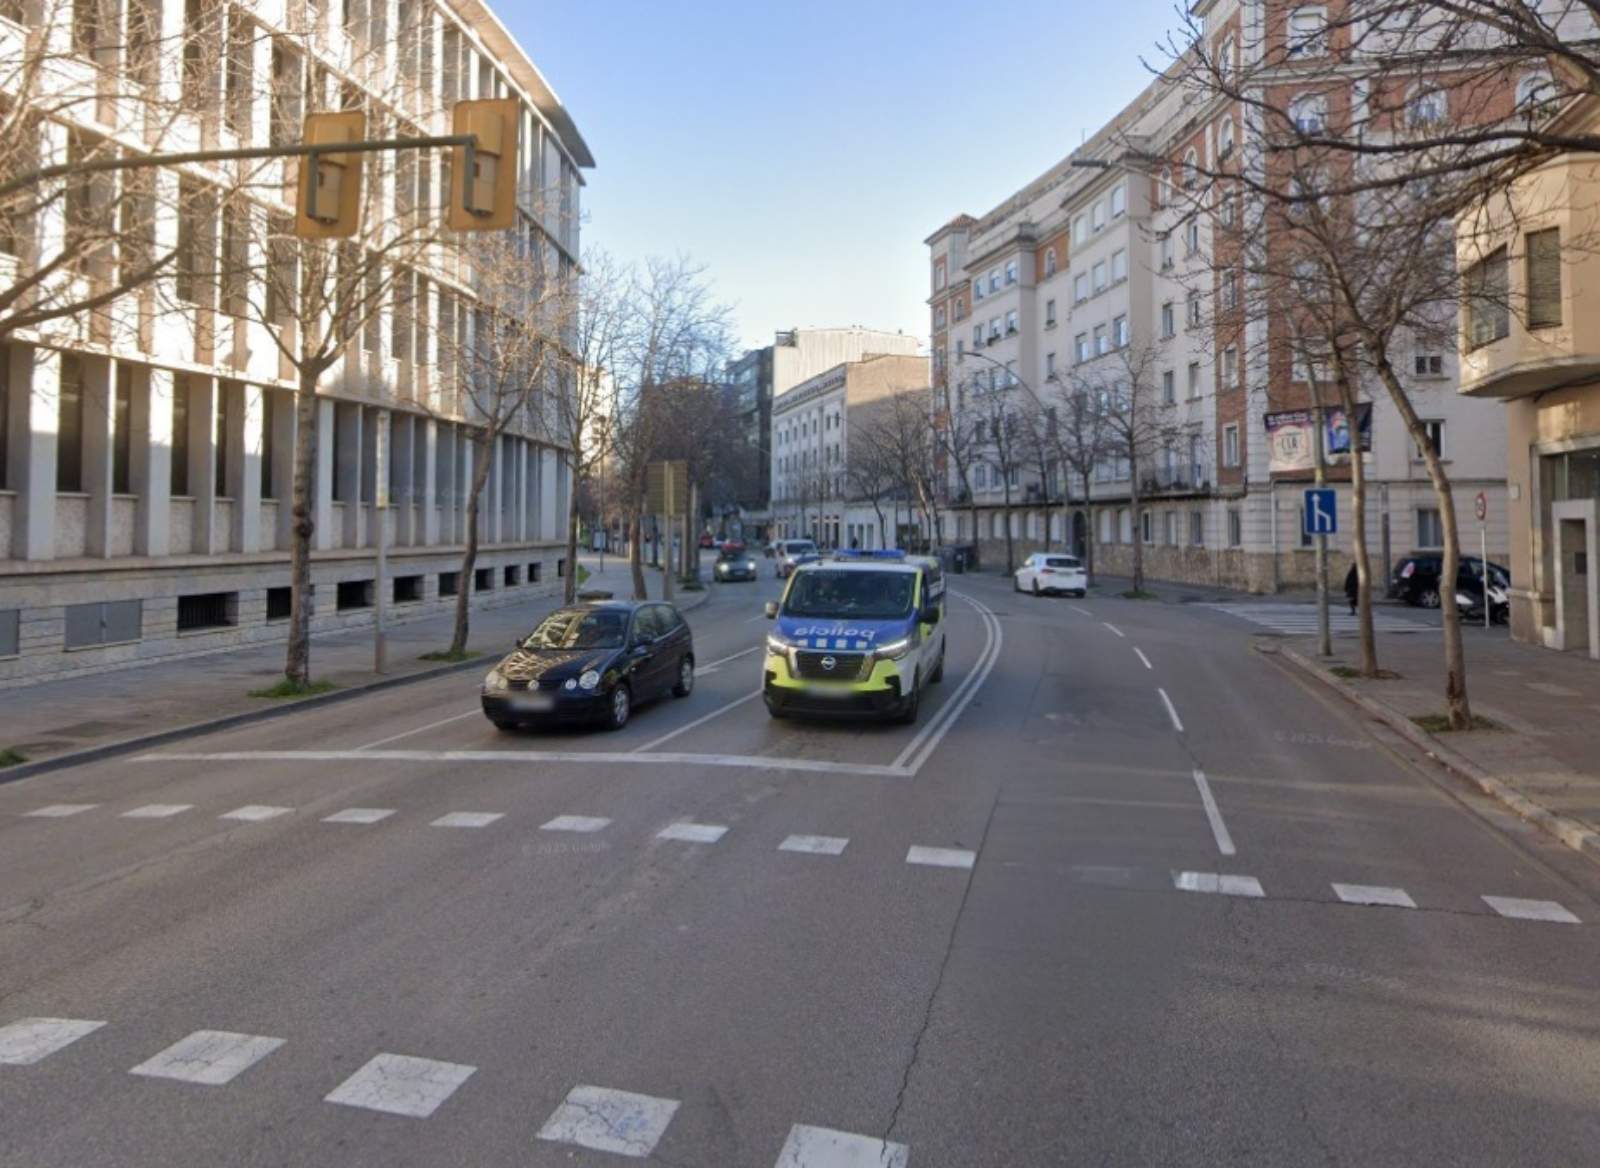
<point>700,721</point>
<point>1374,894</point>
<point>211,1057</point>
<point>1114,628</point>
<point>713,666</point>
<point>1142,657</point>
<point>419,729</point>
<point>1218,829</point>
<point>1172,711</point>
<point>920,748</point>
<point>401,1085</point>
<point>506,757</point>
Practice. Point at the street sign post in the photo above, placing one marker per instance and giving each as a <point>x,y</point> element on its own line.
<point>380,515</point>
<point>1322,511</point>
<point>1480,507</point>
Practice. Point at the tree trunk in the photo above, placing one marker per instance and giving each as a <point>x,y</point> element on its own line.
<point>1358,534</point>
<point>1011,551</point>
<point>1455,661</point>
<point>1138,532</point>
<point>570,589</point>
<point>636,552</point>
<point>482,446</point>
<point>297,660</point>
<point>1088,531</point>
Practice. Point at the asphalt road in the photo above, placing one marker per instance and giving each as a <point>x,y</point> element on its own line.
<point>1141,943</point>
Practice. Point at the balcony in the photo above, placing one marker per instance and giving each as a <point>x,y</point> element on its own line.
<point>1182,480</point>
<point>1516,360</point>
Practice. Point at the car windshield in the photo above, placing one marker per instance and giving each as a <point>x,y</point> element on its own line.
<point>580,628</point>
<point>870,595</point>
<point>1062,562</point>
<point>731,554</point>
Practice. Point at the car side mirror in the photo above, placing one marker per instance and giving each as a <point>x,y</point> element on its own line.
<point>771,610</point>
<point>930,614</point>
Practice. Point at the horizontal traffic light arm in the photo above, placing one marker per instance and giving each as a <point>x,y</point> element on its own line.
<point>100,166</point>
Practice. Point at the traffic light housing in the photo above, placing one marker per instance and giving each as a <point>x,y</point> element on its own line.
<point>328,200</point>
<point>483,177</point>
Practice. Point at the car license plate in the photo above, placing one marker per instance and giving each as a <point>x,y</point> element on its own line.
<point>830,691</point>
<point>536,703</point>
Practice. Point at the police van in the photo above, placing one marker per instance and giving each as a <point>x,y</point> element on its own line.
<point>861,633</point>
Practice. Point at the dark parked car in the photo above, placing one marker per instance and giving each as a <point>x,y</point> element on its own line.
<point>1416,577</point>
<point>592,663</point>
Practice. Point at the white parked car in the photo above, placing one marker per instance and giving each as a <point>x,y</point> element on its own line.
<point>1046,572</point>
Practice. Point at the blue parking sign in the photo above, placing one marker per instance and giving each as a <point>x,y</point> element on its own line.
<point>1322,511</point>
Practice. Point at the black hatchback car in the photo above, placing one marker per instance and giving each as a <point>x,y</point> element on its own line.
<point>1416,577</point>
<point>592,663</point>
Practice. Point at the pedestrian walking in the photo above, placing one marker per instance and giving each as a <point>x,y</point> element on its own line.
<point>1352,588</point>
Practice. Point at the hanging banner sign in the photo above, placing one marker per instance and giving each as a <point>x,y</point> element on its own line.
<point>1289,437</point>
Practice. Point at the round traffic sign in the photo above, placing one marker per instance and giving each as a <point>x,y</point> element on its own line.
<point>1480,504</point>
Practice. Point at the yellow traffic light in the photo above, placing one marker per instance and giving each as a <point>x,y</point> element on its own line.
<point>483,191</point>
<point>328,203</point>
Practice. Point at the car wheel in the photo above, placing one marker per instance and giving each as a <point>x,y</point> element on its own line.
<point>621,707</point>
<point>1428,598</point>
<point>908,712</point>
<point>685,684</point>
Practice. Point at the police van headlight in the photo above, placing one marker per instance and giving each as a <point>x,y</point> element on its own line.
<point>778,645</point>
<point>893,651</point>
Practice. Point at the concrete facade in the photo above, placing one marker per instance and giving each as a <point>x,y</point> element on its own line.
<point>147,453</point>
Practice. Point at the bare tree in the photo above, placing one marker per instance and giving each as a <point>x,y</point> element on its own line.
<point>994,403</point>
<point>583,414</point>
<point>955,429</point>
<point>1082,443</point>
<point>872,469</point>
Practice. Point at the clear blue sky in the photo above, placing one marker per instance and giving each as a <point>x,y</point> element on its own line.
<point>803,151</point>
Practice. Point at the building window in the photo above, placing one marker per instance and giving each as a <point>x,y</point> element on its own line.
<point>1011,322</point>
<point>1080,287</point>
<point>180,436</point>
<point>1169,320</point>
<point>1487,287</point>
<point>1309,113</point>
<point>1147,526</point>
<point>1119,201</point>
<point>1011,272</point>
<point>1169,528</point>
<point>1230,366</point>
<point>1225,139</point>
<point>1166,251</point>
<point>483,580</point>
<point>1433,431</point>
<point>977,336</point>
<point>122,432</point>
<point>1235,527</point>
<point>1119,266</point>
<point>1119,332</point>
<point>1535,92</point>
<point>1191,237</point>
<point>1197,529</point>
<point>1230,290</point>
<point>1169,388</point>
<point>279,602</point>
<point>1080,348</point>
<point>1426,364</point>
<point>1430,528</point>
<point>938,275</point>
<point>219,439</point>
<point>208,610</point>
<point>69,425</point>
<point>1049,366</point>
<point>1194,380</point>
<point>1049,262</point>
<point>1080,229</point>
<point>1192,307</point>
<point>1544,278</point>
<point>1426,107</point>
<point>354,594</point>
<point>1100,284</point>
<point>1049,313</point>
<point>1190,174</point>
<point>1097,215</point>
<point>1308,29</point>
<point>994,280</point>
<point>1230,445</point>
<point>449,583</point>
<point>977,289</point>
<point>512,575</point>
<point>1101,343</point>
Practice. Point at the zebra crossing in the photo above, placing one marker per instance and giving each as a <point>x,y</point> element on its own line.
<point>1300,620</point>
<point>597,1118</point>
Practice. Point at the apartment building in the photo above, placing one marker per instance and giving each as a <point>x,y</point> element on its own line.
<point>1098,278</point>
<point>813,491</point>
<point>1536,350</point>
<point>146,450</point>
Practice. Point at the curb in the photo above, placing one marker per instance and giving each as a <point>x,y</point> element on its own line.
<point>1576,835</point>
<point>122,746</point>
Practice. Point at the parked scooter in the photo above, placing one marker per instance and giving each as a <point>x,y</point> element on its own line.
<point>1470,604</point>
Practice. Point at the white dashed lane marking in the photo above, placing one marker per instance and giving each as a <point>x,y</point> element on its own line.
<point>1213,882</point>
<point>1531,910</point>
<point>31,1039</point>
<point>60,810</point>
<point>610,1121</point>
<point>212,1057</point>
<point>821,1147</point>
<point>1373,894</point>
<point>693,833</point>
<point>467,819</point>
<point>942,857</point>
<point>1172,711</point>
<point>255,813</point>
<point>816,845</point>
<point>584,823</point>
<point>158,811</point>
<point>360,815</point>
<point>1140,654</point>
<point>1114,628</point>
<point>401,1085</point>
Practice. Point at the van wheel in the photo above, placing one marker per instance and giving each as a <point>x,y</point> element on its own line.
<point>908,712</point>
<point>937,675</point>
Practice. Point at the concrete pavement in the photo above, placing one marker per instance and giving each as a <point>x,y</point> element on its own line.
<point>1209,918</point>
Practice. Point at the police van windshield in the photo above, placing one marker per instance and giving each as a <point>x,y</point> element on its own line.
<point>869,595</point>
<point>799,547</point>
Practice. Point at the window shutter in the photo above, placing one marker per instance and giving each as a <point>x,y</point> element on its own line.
<point>1544,278</point>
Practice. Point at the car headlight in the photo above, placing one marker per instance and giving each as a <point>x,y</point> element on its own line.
<point>893,651</point>
<point>494,681</point>
<point>589,679</point>
<point>570,683</point>
<point>749,565</point>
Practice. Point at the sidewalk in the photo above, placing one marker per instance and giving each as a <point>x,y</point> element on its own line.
<point>1543,759</point>
<point>45,723</point>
